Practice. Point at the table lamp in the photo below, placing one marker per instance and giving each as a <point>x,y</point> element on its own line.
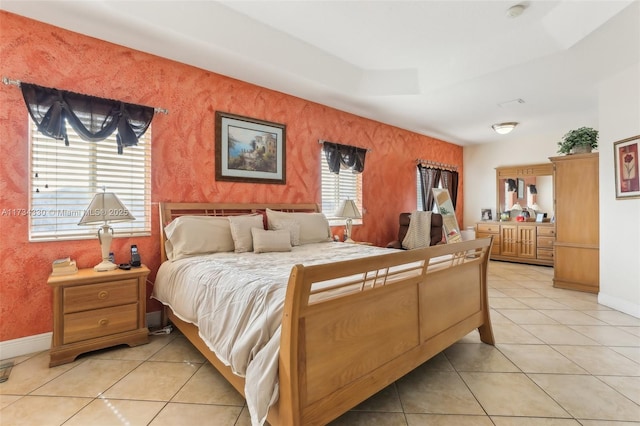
<point>105,207</point>
<point>349,211</point>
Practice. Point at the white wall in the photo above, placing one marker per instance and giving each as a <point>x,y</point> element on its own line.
<point>619,101</point>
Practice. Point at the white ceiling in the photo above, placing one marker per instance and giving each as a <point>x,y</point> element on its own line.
<point>447,69</point>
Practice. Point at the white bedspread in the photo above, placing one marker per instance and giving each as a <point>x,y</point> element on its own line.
<point>236,300</point>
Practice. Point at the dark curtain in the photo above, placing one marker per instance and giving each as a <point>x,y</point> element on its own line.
<point>450,182</point>
<point>429,178</point>
<point>344,157</point>
<point>93,118</point>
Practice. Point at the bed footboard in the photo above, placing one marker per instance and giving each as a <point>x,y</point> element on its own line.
<point>352,328</point>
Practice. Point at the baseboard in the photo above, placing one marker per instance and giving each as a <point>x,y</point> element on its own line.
<point>42,342</point>
<point>25,345</point>
<point>619,305</point>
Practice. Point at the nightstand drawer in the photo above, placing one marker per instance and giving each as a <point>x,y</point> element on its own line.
<point>82,298</point>
<point>489,228</point>
<point>100,322</point>
<point>546,242</point>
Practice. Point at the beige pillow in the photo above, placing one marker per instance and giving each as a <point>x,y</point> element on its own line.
<point>195,235</point>
<point>241,231</point>
<point>293,227</point>
<point>268,241</point>
<point>314,227</point>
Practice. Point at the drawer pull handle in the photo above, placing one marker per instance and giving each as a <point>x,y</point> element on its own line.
<point>103,295</point>
<point>103,322</point>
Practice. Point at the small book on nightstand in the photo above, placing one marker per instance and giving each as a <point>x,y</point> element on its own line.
<point>64,266</point>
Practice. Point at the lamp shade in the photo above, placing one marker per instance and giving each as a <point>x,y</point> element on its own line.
<point>504,128</point>
<point>348,209</point>
<point>105,207</point>
<point>516,206</point>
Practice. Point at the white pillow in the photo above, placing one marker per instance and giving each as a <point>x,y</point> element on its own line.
<point>241,231</point>
<point>194,235</point>
<point>268,241</point>
<point>314,227</point>
<point>293,227</point>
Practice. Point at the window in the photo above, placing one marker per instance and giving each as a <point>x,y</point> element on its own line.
<point>64,179</point>
<point>419,203</point>
<point>338,187</point>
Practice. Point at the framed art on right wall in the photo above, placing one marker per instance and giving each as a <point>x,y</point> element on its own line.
<point>625,156</point>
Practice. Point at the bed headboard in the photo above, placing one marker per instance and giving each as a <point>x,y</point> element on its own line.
<point>170,211</point>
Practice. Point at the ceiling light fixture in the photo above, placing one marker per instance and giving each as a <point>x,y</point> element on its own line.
<point>515,11</point>
<point>504,128</point>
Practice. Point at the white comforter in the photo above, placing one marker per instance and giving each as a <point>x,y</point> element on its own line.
<point>236,300</point>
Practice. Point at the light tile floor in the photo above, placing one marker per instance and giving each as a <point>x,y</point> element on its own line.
<point>561,359</point>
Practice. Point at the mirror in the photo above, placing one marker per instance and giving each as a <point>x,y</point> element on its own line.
<point>527,188</point>
<point>449,221</point>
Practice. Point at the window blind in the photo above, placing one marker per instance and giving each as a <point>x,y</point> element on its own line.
<point>64,179</point>
<point>338,187</point>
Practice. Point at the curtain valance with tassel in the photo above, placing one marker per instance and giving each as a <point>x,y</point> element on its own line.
<point>93,118</point>
<point>344,157</point>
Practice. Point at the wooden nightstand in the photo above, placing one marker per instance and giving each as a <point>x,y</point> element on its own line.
<point>94,310</point>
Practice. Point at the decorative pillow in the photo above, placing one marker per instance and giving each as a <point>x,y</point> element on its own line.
<point>314,227</point>
<point>194,235</point>
<point>268,241</point>
<point>241,231</point>
<point>293,227</point>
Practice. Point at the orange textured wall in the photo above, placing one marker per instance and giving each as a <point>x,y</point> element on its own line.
<point>182,152</point>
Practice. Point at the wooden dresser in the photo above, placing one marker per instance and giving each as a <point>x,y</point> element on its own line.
<point>94,310</point>
<point>522,242</point>
<point>577,247</point>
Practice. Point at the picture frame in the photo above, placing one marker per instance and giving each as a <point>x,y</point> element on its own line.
<point>539,217</point>
<point>485,214</point>
<point>249,150</point>
<point>625,157</point>
<point>520,188</point>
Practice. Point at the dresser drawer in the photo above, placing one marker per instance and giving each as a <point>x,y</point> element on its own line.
<point>544,254</point>
<point>100,322</point>
<point>495,248</point>
<point>489,228</point>
<point>93,296</point>
<point>546,242</point>
<point>547,231</point>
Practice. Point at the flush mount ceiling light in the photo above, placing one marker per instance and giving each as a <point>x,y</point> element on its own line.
<point>515,11</point>
<point>504,128</point>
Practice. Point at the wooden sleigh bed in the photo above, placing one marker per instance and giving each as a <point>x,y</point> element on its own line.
<point>336,351</point>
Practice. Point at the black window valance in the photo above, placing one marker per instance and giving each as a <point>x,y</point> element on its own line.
<point>93,118</point>
<point>344,157</point>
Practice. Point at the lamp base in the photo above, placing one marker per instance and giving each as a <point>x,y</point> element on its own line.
<point>104,266</point>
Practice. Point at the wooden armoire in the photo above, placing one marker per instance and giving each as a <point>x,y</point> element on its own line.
<point>577,245</point>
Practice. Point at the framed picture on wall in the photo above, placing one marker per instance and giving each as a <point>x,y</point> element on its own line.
<point>625,157</point>
<point>249,150</point>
